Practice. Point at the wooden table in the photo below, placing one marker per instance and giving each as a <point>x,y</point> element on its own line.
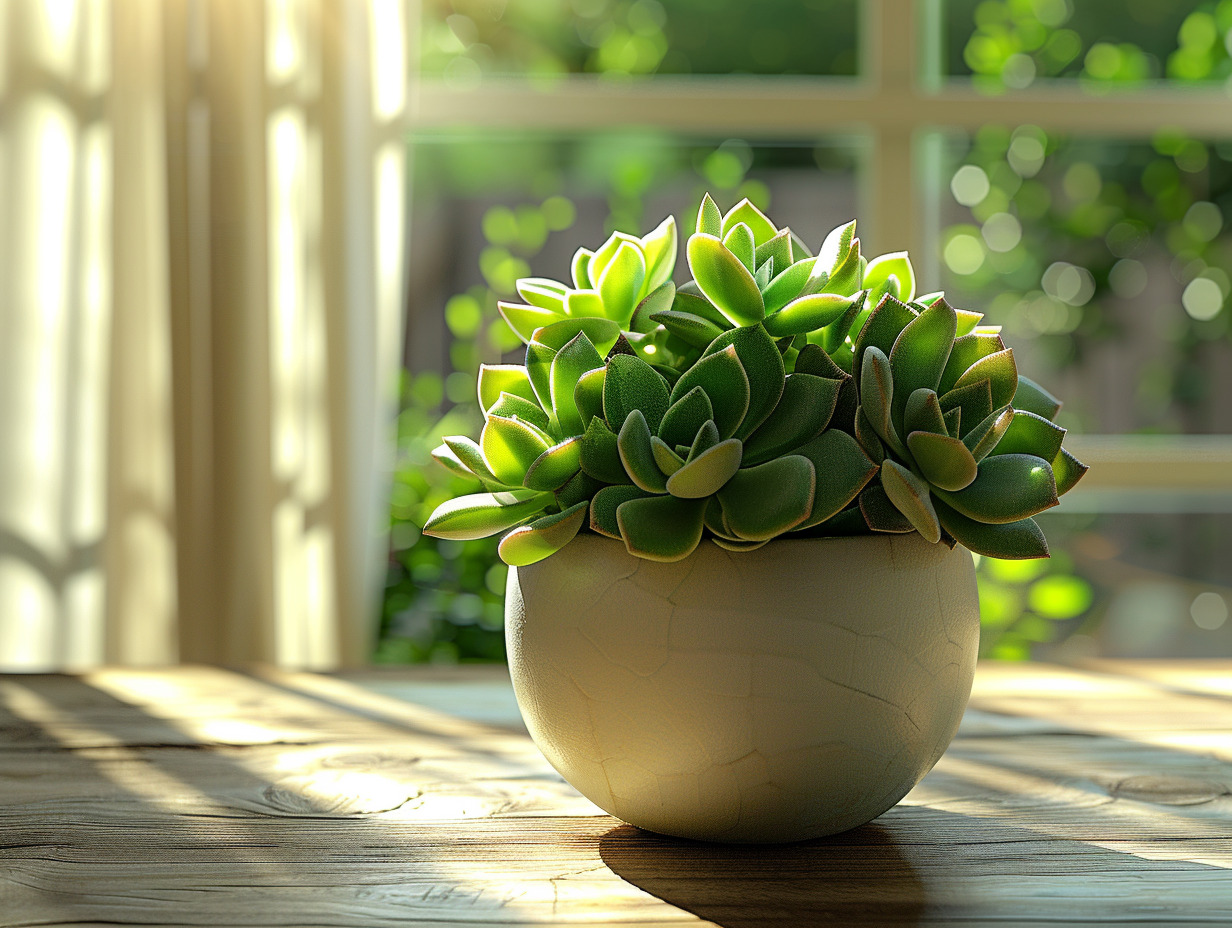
<point>413,797</point>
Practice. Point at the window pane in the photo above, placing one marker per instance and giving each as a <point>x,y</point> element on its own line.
<point>1109,264</point>
<point>1006,44</point>
<point>463,40</point>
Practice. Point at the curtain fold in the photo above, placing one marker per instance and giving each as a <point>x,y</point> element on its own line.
<point>200,303</point>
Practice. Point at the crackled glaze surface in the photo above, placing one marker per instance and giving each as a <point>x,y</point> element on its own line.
<point>775,695</point>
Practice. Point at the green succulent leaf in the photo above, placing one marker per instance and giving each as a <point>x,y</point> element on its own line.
<point>479,515</point>
<point>509,406</point>
<point>715,521</point>
<point>984,437</point>
<point>910,496</point>
<point>604,505</point>
<point>542,292</point>
<point>975,401</point>
<point>880,514</point>
<point>725,281</point>
<point>1008,488</point>
<point>799,250</point>
<point>579,489</point>
<point>801,415</point>
<point>841,470</point>
<point>762,362</point>
<point>706,474</point>
<point>601,454</point>
<point>555,467</point>
<point>896,264</point>
<point>867,437</point>
<point>1031,434</point>
<point>545,536</point>
<point>1007,540</point>
<point>657,300</point>
<point>787,284</point>
<point>746,214</point>
<point>637,454</point>
<point>945,462</point>
<point>834,336</point>
<point>738,546</point>
<point>583,304</point>
<point>1000,372</point>
<point>588,395</point>
<point>632,384</point>
<point>607,251</point>
<point>661,528</point>
<point>576,358</point>
<point>847,278</point>
<point>739,241</point>
<point>1068,470</point>
<point>967,320</point>
<point>763,274</point>
<point>923,412</point>
<point>471,457</point>
<point>539,359</point>
<point>578,268</point>
<point>510,446</point>
<point>919,355</point>
<point>807,314</point>
<point>603,333</point>
<point>953,422</point>
<point>880,330</point>
<point>876,395</point>
<point>660,247</point>
<point>696,330</point>
<point>445,456</point>
<point>836,248</point>
<point>685,416</point>
<point>707,438</point>
<point>725,383</point>
<point>668,460</point>
<point>1031,397</point>
<point>777,246</point>
<point>524,320</point>
<point>814,360</point>
<point>622,281</point>
<point>967,350</point>
<point>709,219</point>
<point>495,379</point>
<point>697,305</point>
<point>769,499</point>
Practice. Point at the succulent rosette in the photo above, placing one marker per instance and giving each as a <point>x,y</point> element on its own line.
<point>778,393</point>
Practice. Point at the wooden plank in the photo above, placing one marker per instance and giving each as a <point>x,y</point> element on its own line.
<point>207,797</point>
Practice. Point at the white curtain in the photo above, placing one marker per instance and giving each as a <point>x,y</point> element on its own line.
<point>201,248</point>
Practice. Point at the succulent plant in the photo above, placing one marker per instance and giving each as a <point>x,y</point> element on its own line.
<point>778,393</point>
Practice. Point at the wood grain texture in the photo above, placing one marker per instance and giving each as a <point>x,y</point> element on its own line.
<point>198,796</point>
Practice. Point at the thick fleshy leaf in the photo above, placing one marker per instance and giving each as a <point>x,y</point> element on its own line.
<point>715,521</point>
<point>739,546</point>
<point>787,284</point>
<point>848,522</point>
<point>696,330</point>
<point>495,379</point>
<point>515,407</point>
<point>1008,487</point>
<point>975,401</point>
<point>834,336</point>
<point>706,474</point>
<point>445,456</point>
<point>661,528</point>
<point>1008,540</point>
<point>659,246</point>
<point>1068,470</point>
<point>910,496</point>
<point>867,437</point>
<point>837,246</point>
<point>571,362</point>
<point>848,277</point>
<point>880,514</point>
<point>709,218</point>
<point>556,466</point>
<point>579,488</point>
<point>777,246</point>
<point>1031,397</point>
<point>814,360</point>
<point>470,455</point>
<point>966,351</point>
<point>539,369</point>
<point>510,446</point>
<point>601,454</point>
<point>841,469</point>
<point>725,281</point>
<point>604,505</point>
<point>807,314</point>
<point>588,395</point>
<point>967,320</point>
<point>896,264</point>
<point>923,412</point>
<point>621,283</point>
<point>668,460</point>
<point>739,241</point>
<point>545,536</point>
<point>697,305</point>
<point>707,438</point>
<point>632,384</point>
<point>685,416</point>
<point>542,292</point>
<point>919,355</point>
<point>479,515</point>
<point>579,269</point>
<point>763,365</point>
<point>880,330</point>
<point>763,274</point>
<point>769,499</point>
<point>745,213</point>
<point>722,377</point>
<point>953,422</point>
<point>876,394</point>
<point>658,300</point>
<point>637,454</point>
<point>583,304</point>
<point>1000,372</point>
<point>524,320</point>
<point>607,251</point>
<point>1031,434</point>
<point>603,333</point>
<point>801,415</point>
<point>799,250</point>
<point>945,462</point>
<point>984,437</point>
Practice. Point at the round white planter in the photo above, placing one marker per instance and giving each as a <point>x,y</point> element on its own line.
<point>780,694</point>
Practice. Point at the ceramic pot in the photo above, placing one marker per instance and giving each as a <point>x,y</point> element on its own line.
<point>774,695</point>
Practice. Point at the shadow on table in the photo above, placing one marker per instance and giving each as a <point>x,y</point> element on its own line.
<point>857,878</point>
